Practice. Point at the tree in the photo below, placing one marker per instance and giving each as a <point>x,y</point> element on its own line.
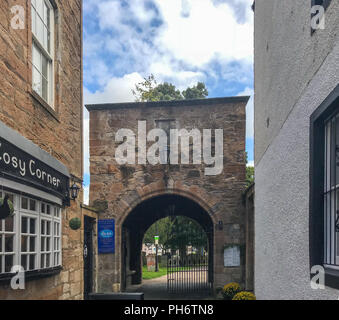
<point>177,233</point>
<point>198,91</point>
<point>249,176</point>
<point>149,90</point>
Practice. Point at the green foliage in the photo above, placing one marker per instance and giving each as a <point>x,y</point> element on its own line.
<point>149,90</point>
<point>249,176</point>
<point>152,274</point>
<point>230,290</point>
<point>244,295</point>
<point>174,232</point>
<point>75,223</point>
<point>198,91</point>
<point>6,211</point>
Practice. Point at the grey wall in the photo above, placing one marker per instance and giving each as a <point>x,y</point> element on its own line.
<point>287,57</point>
<point>294,73</point>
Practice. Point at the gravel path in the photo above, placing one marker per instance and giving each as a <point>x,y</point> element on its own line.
<point>156,289</point>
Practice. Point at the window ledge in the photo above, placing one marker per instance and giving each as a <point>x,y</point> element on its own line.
<point>45,105</point>
<point>31,275</point>
<point>331,278</point>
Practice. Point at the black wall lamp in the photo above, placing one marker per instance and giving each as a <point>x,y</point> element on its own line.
<point>74,189</point>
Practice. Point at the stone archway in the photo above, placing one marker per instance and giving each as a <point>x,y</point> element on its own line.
<point>147,212</point>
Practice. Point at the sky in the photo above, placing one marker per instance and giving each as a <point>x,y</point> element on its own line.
<point>179,41</point>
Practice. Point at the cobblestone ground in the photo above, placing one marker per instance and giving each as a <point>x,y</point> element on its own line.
<point>156,289</point>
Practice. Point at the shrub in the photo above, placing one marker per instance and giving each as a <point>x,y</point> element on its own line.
<point>230,290</point>
<point>244,295</point>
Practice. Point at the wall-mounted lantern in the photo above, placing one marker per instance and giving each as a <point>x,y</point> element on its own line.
<point>74,189</point>
<point>220,225</point>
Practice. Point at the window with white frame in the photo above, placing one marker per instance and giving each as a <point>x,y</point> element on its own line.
<point>43,49</point>
<point>32,236</point>
<point>331,191</point>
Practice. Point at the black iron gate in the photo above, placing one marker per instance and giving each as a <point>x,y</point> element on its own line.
<point>189,269</point>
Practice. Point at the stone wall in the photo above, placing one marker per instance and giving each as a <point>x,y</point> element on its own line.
<point>125,186</point>
<point>57,131</point>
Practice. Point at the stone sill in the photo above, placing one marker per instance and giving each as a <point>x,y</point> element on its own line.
<point>45,105</point>
<point>31,275</point>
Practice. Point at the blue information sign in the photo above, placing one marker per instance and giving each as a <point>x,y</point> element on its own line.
<point>106,236</point>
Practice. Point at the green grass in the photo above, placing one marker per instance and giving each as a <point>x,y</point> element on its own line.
<point>146,275</point>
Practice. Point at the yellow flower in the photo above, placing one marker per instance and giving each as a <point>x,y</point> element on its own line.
<point>244,295</point>
<point>230,290</point>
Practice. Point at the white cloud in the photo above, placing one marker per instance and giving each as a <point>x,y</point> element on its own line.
<point>208,32</point>
<point>193,33</point>
<point>116,90</point>
<point>250,164</point>
<point>249,112</point>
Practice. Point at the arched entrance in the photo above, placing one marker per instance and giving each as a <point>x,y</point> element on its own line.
<point>146,214</point>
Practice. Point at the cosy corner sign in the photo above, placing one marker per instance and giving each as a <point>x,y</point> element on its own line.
<point>16,164</point>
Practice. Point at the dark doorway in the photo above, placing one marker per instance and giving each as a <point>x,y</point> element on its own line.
<point>141,218</point>
<point>88,255</point>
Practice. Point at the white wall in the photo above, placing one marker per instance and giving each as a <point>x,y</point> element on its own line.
<point>290,83</point>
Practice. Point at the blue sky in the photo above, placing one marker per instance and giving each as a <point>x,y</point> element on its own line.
<point>179,41</point>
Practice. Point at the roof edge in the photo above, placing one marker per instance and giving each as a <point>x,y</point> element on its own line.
<point>170,103</point>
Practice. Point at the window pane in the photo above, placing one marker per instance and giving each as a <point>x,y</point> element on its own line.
<point>44,70</point>
<point>39,7</point>
<point>36,57</point>
<point>8,263</point>
<point>42,261</point>
<point>48,244</point>
<point>44,89</point>
<point>33,19</point>
<point>39,30</point>
<point>43,208</point>
<point>43,240</point>
<point>24,243</point>
<point>0,247</point>
<point>46,13</point>
<point>24,225</point>
<point>37,85</point>
<point>48,228</point>
<point>48,207</point>
<point>9,243</point>
<point>24,261</point>
<point>45,41</point>
<point>24,203</point>
<point>32,244</point>
<point>32,262</point>
<point>42,226</point>
<point>32,205</point>
<point>48,260</point>
<point>32,226</point>
<point>9,224</point>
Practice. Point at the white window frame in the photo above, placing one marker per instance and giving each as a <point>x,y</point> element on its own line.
<point>48,55</point>
<point>39,216</point>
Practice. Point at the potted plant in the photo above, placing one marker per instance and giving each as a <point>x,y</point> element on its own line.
<point>6,208</point>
